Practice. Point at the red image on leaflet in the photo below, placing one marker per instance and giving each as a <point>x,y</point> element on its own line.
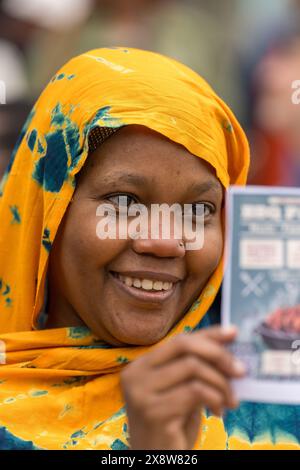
<point>281,328</point>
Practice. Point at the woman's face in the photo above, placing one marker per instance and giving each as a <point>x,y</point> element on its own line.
<point>84,271</point>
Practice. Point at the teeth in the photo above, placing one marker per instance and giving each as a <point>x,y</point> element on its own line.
<point>146,284</point>
<point>137,282</point>
<point>157,285</point>
<point>128,281</point>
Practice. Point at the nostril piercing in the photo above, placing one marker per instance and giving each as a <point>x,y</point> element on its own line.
<point>181,244</point>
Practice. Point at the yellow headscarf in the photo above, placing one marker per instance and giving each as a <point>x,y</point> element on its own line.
<point>59,388</point>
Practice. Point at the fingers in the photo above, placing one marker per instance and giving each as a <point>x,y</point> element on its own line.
<point>207,345</point>
<point>182,375</point>
<point>193,394</point>
<point>166,351</point>
<point>220,334</point>
<point>193,368</point>
<point>221,358</point>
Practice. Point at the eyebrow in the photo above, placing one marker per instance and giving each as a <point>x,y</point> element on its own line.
<point>131,178</point>
<point>141,181</point>
<point>201,188</point>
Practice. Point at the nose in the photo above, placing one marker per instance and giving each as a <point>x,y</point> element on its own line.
<point>164,244</point>
<point>171,248</point>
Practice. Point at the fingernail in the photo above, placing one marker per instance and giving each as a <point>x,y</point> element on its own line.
<point>229,330</point>
<point>239,367</point>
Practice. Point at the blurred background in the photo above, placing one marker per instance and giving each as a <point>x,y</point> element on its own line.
<point>248,50</point>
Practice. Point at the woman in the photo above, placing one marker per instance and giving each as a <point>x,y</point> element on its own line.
<point>89,325</point>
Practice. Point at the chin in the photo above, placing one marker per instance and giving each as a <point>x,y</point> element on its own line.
<point>146,338</point>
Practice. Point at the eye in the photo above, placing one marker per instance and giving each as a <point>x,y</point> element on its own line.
<point>122,200</point>
<point>203,209</point>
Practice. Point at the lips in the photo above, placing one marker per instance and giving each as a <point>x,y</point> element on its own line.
<point>159,276</point>
<point>148,286</point>
<point>144,283</point>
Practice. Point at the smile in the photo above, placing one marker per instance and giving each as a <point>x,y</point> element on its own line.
<point>143,288</point>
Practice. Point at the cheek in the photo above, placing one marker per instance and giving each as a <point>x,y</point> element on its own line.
<point>80,248</point>
<point>79,240</point>
<point>203,262</point>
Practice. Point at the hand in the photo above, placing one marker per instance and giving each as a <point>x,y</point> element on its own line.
<point>166,389</point>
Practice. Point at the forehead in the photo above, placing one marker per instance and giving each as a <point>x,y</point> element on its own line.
<point>139,156</point>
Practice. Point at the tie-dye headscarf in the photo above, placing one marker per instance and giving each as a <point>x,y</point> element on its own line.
<point>64,383</point>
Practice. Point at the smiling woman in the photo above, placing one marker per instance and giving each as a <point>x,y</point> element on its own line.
<point>99,335</point>
<point>122,273</point>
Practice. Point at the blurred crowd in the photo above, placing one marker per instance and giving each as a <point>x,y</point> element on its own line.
<point>249,51</point>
